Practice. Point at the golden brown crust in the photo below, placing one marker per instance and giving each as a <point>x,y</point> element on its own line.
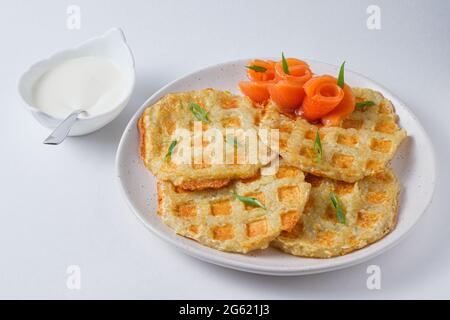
<point>160,197</point>
<point>204,184</point>
<point>141,129</point>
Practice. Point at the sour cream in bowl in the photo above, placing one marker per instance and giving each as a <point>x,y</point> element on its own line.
<point>97,76</point>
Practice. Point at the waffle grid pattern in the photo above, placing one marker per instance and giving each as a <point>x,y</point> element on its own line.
<point>221,221</point>
<point>159,122</point>
<point>363,145</point>
<point>370,208</point>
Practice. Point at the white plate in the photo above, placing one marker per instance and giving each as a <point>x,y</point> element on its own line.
<point>415,169</point>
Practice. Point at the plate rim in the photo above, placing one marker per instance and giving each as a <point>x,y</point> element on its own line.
<point>333,263</point>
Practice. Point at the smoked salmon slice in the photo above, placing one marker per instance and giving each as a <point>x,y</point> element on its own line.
<point>291,85</point>
<point>256,72</point>
<point>344,108</point>
<point>299,71</point>
<point>257,91</point>
<point>322,95</point>
<point>288,95</point>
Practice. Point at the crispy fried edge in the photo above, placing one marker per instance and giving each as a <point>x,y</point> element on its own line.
<point>193,185</point>
<point>395,206</point>
<point>142,142</point>
<point>159,191</point>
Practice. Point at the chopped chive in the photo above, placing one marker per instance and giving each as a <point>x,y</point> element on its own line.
<point>249,200</point>
<point>337,206</point>
<point>198,112</point>
<point>170,150</point>
<point>233,141</point>
<point>318,147</point>
<point>256,68</point>
<point>340,82</point>
<point>365,104</point>
<point>284,64</point>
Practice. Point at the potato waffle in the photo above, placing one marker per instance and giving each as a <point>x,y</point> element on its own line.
<point>363,144</point>
<point>370,208</point>
<point>216,218</point>
<point>159,122</point>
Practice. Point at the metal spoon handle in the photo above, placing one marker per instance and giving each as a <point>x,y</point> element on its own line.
<point>62,130</point>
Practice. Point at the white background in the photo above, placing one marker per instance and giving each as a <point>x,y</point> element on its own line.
<point>62,205</point>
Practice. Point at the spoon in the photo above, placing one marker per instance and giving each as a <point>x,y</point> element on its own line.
<point>62,130</point>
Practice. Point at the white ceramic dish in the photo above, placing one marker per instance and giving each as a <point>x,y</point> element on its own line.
<point>414,165</point>
<point>111,45</point>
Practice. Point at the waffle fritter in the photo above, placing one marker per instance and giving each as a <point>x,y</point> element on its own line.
<point>370,208</point>
<point>224,110</point>
<point>216,218</point>
<point>363,144</point>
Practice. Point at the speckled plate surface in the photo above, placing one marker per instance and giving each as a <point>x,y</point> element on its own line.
<point>414,165</point>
